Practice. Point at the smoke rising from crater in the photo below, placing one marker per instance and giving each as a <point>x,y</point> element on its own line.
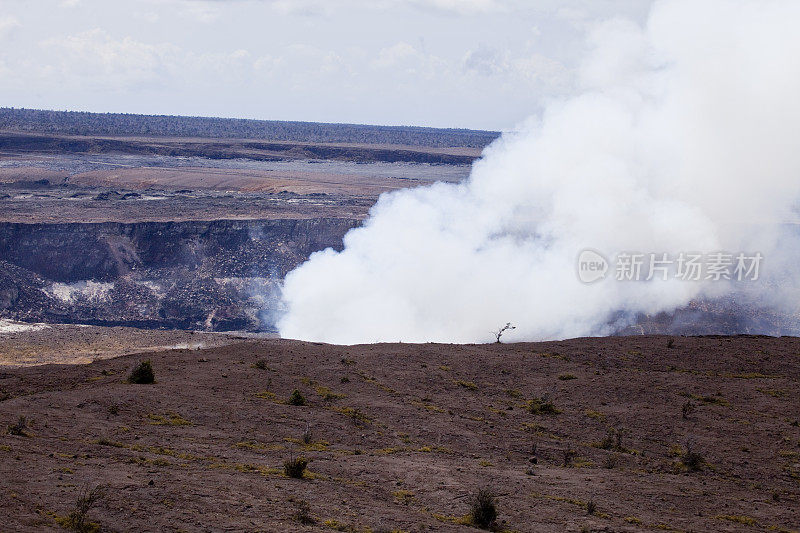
<point>683,137</point>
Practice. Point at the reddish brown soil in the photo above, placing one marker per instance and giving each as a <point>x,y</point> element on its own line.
<point>418,428</point>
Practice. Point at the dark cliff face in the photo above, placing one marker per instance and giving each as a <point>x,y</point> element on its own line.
<point>220,275</point>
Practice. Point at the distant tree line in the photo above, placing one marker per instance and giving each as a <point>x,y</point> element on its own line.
<point>123,124</point>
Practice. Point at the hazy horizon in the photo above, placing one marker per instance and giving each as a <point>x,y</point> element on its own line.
<point>477,64</point>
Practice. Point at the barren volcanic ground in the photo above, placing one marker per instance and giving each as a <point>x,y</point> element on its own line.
<point>401,435</point>
<point>25,344</point>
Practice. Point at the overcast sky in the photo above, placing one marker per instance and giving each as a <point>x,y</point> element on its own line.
<point>452,63</point>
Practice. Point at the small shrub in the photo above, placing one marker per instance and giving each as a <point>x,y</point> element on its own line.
<point>261,365</point>
<point>308,435</point>
<point>470,385</point>
<point>687,409</point>
<point>591,507</point>
<point>542,406</point>
<point>168,419</point>
<point>328,395</point>
<point>296,398</point>
<point>612,440</point>
<point>611,461</point>
<point>483,508</point>
<point>567,377</point>
<point>691,459</point>
<point>295,467</point>
<point>77,519</point>
<point>113,409</point>
<point>568,455</point>
<point>303,513</point>
<point>142,374</point>
<point>671,343</point>
<point>19,427</point>
<point>359,418</point>
<point>344,379</point>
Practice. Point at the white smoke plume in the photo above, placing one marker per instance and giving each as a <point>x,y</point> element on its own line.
<point>684,137</point>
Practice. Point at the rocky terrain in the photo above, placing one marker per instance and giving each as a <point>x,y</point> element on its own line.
<point>177,232</point>
<point>215,275</point>
<point>615,435</point>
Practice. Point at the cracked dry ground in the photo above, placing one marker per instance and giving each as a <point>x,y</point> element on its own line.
<point>402,435</point>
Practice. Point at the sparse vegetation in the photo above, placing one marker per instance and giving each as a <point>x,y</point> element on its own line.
<point>568,455</point>
<point>567,377</point>
<point>113,409</point>
<point>483,508</point>
<point>295,467</point>
<point>691,458</point>
<point>466,384</point>
<point>542,406</point>
<point>142,374</point>
<point>308,435</point>
<point>103,441</point>
<point>612,440</point>
<point>607,434</point>
<point>77,519</point>
<point>303,513</point>
<point>355,415</point>
<point>611,461</point>
<point>738,519</point>
<point>296,398</point>
<point>19,427</point>
<point>597,415</point>
<point>688,409</point>
<point>170,419</point>
<point>261,365</point>
<point>403,496</point>
<point>499,333</point>
<point>327,394</point>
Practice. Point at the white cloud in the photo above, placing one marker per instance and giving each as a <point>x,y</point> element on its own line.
<point>320,7</point>
<point>532,69</point>
<point>485,61</point>
<point>150,17</point>
<point>94,57</point>
<point>391,56</point>
<point>286,7</point>
<point>8,24</point>
<point>268,63</point>
<point>203,11</point>
<point>462,6</point>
